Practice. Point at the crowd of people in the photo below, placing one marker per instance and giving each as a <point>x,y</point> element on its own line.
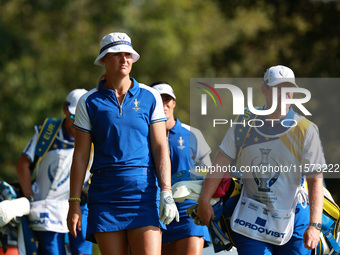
<point>104,172</point>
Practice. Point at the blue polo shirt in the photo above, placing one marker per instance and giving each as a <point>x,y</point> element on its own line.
<point>120,133</point>
<point>186,144</point>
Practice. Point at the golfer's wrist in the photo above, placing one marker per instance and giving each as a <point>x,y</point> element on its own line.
<point>166,188</point>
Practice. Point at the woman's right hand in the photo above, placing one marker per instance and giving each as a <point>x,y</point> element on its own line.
<point>74,218</point>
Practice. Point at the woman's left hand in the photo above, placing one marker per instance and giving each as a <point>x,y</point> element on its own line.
<point>167,208</point>
<point>74,218</point>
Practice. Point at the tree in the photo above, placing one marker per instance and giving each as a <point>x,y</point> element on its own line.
<point>49,49</point>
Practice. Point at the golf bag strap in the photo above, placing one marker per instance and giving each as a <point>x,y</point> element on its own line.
<point>30,246</point>
<point>332,242</point>
<point>47,135</point>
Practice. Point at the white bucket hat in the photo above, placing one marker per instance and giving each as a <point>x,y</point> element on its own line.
<point>73,98</point>
<point>279,74</point>
<point>115,42</point>
<point>165,88</point>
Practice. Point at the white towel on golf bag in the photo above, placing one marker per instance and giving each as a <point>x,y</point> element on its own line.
<point>10,209</point>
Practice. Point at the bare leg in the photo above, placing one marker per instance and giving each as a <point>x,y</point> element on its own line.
<point>186,246</point>
<point>113,243</point>
<point>145,240</point>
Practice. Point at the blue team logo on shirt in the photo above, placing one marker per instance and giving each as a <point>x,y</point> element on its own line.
<point>181,142</point>
<point>136,103</point>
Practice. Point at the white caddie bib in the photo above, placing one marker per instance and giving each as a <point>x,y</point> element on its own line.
<point>49,215</point>
<point>258,221</point>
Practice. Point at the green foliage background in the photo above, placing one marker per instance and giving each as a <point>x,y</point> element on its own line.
<point>48,48</point>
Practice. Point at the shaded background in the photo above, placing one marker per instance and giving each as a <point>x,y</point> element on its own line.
<point>47,48</point>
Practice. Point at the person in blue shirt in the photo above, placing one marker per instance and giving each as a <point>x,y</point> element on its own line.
<point>188,150</point>
<point>130,192</point>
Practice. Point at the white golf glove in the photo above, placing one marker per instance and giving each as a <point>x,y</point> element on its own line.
<point>167,208</point>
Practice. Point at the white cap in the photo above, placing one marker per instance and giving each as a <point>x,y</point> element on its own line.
<point>115,42</point>
<point>72,99</point>
<point>279,74</point>
<point>165,88</point>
